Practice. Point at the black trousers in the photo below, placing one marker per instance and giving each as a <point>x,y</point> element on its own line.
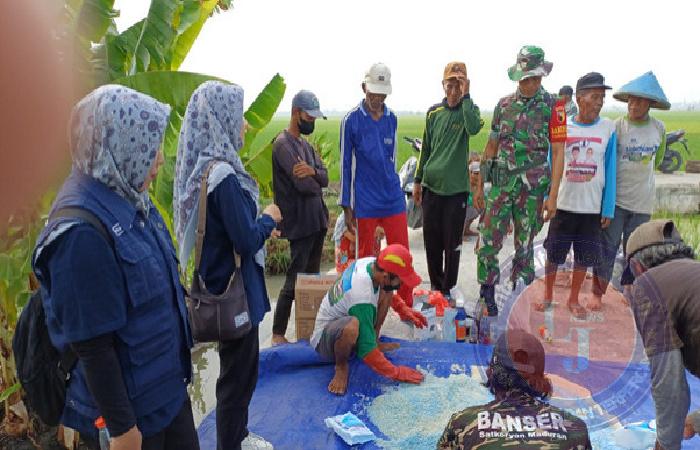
<point>306,258</point>
<point>443,223</point>
<point>179,435</point>
<point>238,376</point>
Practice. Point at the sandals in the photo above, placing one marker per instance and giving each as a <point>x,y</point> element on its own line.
<point>577,310</point>
<point>543,306</point>
<point>596,308</point>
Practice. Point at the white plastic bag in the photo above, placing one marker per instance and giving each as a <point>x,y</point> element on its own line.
<point>350,428</point>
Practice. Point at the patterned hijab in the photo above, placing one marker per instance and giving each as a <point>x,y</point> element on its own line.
<point>211,131</point>
<point>115,135</point>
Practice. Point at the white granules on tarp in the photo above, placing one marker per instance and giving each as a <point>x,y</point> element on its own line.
<point>414,416</point>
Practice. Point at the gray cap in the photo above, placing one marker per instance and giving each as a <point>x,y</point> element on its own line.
<point>308,102</point>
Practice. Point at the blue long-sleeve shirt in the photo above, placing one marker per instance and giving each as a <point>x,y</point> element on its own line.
<point>368,179</point>
<point>588,185</point>
<point>232,224</point>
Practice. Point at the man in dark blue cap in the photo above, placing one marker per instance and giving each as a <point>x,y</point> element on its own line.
<point>586,203</point>
<point>298,176</point>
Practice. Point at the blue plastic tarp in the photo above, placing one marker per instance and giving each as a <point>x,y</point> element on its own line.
<point>291,399</point>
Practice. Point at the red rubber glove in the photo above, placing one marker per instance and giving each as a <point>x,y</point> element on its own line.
<point>407,313</point>
<point>378,362</point>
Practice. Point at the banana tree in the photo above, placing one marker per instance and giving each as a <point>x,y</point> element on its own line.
<point>146,57</point>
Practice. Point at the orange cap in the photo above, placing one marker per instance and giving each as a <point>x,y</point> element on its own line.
<point>100,423</point>
<point>455,69</point>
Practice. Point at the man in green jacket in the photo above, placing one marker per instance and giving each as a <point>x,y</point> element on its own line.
<point>442,176</point>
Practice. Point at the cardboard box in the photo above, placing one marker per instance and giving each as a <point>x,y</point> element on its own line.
<point>309,292</point>
<point>304,328</point>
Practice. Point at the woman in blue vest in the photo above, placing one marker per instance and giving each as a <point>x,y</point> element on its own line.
<point>117,300</point>
<point>213,130</point>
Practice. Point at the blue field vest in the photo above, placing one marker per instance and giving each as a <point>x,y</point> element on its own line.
<point>153,347</point>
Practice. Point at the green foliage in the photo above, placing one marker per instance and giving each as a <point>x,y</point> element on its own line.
<point>16,247</point>
<point>261,111</point>
<point>278,256</point>
<point>327,148</point>
<point>144,57</point>
<point>7,393</point>
<point>259,161</point>
<point>194,15</point>
<point>89,20</point>
<point>688,226</point>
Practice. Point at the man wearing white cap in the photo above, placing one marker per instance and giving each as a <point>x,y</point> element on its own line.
<point>370,191</point>
<point>641,143</point>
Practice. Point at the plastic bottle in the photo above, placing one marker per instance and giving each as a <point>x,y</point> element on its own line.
<point>103,433</point>
<point>485,330</point>
<point>456,297</point>
<point>460,323</point>
<point>473,332</point>
<point>468,326</point>
<point>449,326</point>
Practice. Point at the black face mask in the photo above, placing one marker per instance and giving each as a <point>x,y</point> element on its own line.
<point>306,127</point>
<point>391,288</point>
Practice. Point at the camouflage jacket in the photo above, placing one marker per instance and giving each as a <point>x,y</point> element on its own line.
<point>523,128</point>
<point>571,108</point>
<point>520,422</point>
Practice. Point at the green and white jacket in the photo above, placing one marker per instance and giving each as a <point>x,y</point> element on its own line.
<point>353,294</point>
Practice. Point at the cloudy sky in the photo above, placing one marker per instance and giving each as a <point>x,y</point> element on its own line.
<point>327,45</point>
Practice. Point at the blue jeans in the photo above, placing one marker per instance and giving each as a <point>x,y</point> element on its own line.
<point>619,230</point>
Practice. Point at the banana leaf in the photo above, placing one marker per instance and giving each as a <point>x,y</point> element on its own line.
<point>187,35</point>
<point>261,111</point>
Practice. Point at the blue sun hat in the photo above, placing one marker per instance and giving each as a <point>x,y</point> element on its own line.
<point>645,86</point>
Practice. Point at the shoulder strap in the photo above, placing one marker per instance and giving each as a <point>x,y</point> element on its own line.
<point>69,357</point>
<point>84,214</point>
<point>202,219</point>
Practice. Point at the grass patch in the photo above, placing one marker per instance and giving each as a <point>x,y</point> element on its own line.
<point>279,255</point>
<point>688,225</point>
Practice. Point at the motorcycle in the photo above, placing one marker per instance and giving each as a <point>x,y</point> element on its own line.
<point>407,174</point>
<point>673,159</point>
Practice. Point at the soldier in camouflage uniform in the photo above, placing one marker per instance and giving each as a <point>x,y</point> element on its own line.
<point>524,125</point>
<point>519,417</point>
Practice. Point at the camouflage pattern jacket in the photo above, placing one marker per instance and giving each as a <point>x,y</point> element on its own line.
<point>519,422</point>
<point>524,128</point>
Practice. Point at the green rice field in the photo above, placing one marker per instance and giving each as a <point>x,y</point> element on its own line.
<point>412,125</point>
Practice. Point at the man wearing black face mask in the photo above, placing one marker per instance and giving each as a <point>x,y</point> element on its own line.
<point>298,175</point>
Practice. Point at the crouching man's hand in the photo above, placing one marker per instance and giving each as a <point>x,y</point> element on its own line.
<point>408,375</point>
<point>376,360</point>
<point>407,313</point>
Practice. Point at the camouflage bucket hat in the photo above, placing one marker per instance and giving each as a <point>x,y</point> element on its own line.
<point>530,63</point>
